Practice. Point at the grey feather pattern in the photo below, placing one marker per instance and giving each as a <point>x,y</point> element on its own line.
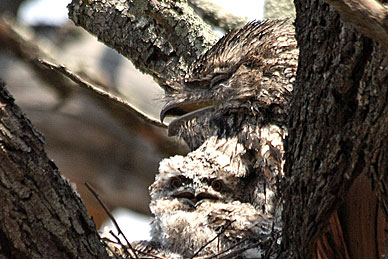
<point>243,85</point>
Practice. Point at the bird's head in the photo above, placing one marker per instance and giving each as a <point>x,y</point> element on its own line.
<point>250,68</point>
<point>186,182</point>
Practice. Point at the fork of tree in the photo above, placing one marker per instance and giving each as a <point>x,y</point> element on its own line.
<point>336,162</point>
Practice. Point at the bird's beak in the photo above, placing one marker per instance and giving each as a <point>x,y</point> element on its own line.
<point>184,110</point>
<point>195,198</point>
<point>175,109</point>
<point>188,195</point>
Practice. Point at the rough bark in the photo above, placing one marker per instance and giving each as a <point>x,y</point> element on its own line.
<point>367,16</point>
<point>41,215</point>
<point>338,122</point>
<point>160,37</point>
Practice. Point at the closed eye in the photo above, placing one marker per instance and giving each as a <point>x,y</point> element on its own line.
<point>207,82</point>
<point>195,84</point>
<point>218,78</point>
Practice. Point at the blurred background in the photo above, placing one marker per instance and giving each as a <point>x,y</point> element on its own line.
<point>87,140</point>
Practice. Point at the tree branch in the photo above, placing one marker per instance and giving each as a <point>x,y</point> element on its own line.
<point>338,125</point>
<point>41,216</point>
<point>21,47</point>
<point>65,81</point>
<point>369,16</point>
<point>338,120</point>
<point>104,95</point>
<point>160,37</point>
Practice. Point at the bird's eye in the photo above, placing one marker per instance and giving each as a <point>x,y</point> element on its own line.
<point>218,78</point>
<point>196,84</point>
<point>217,185</point>
<point>175,182</point>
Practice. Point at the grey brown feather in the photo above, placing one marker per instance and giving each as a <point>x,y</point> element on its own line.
<point>246,77</point>
<point>198,197</point>
<point>245,82</point>
<point>233,105</point>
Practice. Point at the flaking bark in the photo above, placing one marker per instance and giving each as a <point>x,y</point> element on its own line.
<point>338,123</point>
<point>41,216</point>
<point>161,38</point>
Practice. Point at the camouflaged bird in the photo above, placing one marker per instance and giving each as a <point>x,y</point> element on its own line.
<point>241,87</point>
<point>201,209</point>
<point>231,108</point>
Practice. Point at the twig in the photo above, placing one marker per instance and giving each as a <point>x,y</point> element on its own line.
<point>274,241</point>
<point>368,16</point>
<point>29,51</point>
<point>21,46</point>
<point>115,236</point>
<point>152,255</point>
<point>218,235</point>
<point>101,93</point>
<point>110,249</point>
<point>105,239</point>
<point>110,216</point>
<point>124,250</point>
<point>122,110</point>
<point>114,254</point>
<point>228,249</point>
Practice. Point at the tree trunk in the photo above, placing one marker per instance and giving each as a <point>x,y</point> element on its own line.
<point>338,127</point>
<point>41,215</point>
<point>338,133</point>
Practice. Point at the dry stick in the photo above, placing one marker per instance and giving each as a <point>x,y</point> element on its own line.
<point>277,234</point>
<point>126,253</point>
<point>110,249</point>
<point>239,250</point>
<point>228,249</point>
<point>118,240</point>
<point>22,47</point>
<point>36,57</point>
<point>30,52</point>
<point>219,234</point>
<point>117,227</point>
<point>154,256</point>
<point>114,254</point>
<point>110,216</point>
<point>105,239</point>
<point>98,91</point>
<point>138,251</point>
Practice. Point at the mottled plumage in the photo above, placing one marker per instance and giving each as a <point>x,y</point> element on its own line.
<point>241,88</point>
<point>196,197</point>
<point>245,79</point>
<point>233,105</point>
